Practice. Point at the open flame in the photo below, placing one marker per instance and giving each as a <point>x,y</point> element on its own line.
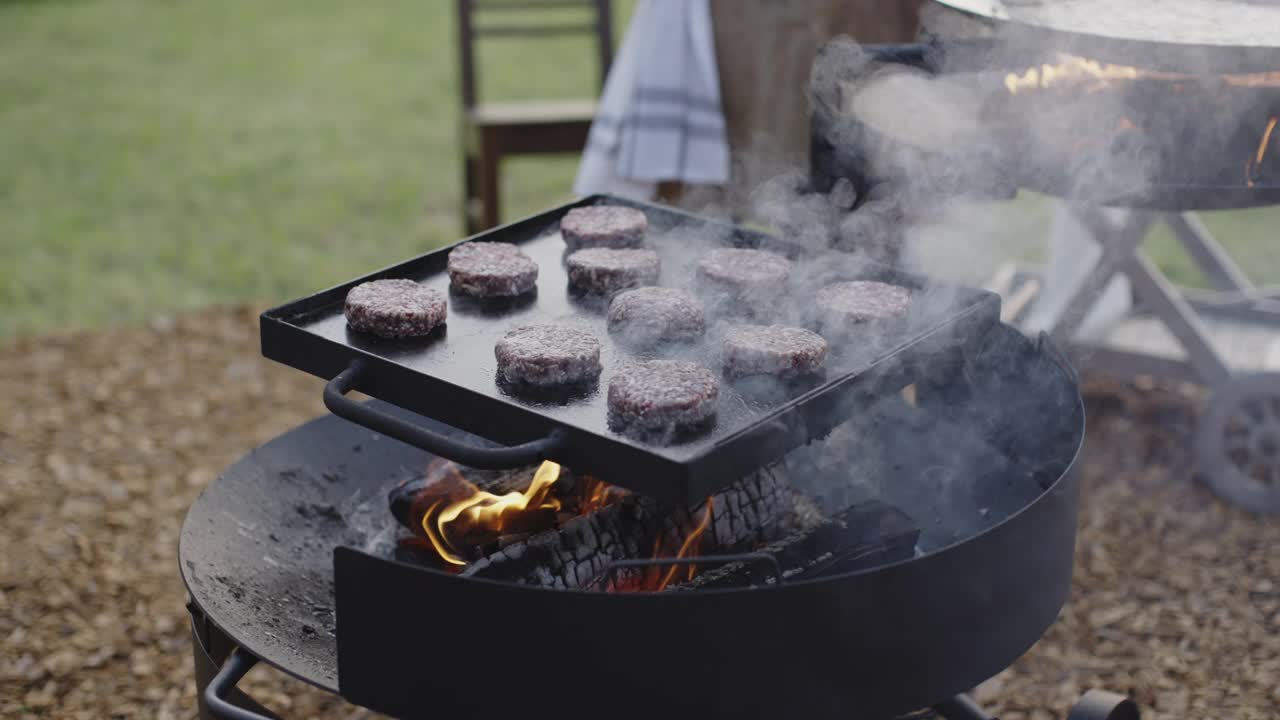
<point>596,494</point>
<point>453,526</point>
<point>1090,75</point>
<point>1254,165</point>
<point>457,519</point>
<point>654,579</point>
<point>460,520</point>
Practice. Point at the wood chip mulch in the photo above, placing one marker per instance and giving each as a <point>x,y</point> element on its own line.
<point>106,438</point>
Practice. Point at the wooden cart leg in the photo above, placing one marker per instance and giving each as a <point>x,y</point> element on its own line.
<point>490,162</point>
<point>1117,244</point>
<point>1219,269</point>
<point>471,202</point>
<point>1156,292</point>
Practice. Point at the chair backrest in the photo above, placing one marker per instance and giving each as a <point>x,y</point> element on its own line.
<point>474,22</point>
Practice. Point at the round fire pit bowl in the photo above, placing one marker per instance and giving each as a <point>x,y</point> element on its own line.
<point>276,554</point>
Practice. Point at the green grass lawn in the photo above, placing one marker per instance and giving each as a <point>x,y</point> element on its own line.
<point>160,156</point>
<point>163,156</point>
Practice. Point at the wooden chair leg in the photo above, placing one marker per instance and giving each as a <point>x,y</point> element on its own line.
<point>470,198</point>
<point>489,163</point>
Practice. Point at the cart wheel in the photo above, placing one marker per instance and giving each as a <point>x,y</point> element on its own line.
<point>1238,442</point>
<point>1103,705</point>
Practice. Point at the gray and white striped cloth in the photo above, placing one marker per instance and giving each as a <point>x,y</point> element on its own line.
<point>660,117</point>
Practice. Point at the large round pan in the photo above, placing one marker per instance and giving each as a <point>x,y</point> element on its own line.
<point>1204,143</point>
<point>1218,36</point>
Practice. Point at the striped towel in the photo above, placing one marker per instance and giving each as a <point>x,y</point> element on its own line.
<point>660,117</point>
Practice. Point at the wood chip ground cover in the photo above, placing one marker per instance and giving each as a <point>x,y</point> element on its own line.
<point>106,438</point>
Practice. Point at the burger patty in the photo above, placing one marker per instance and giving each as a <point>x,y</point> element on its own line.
<point>606,270</point>
<point>651,315</point>
<point>662,396</point>
<point>776,350</point>
<point>394,308</point>
<point>547,355</point>
<point>610,226</point>
<point>744,271</point>
<point>861,301</point>
<point>491,269</point>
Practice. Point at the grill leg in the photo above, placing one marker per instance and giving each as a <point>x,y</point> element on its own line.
<point>1102,705</point>
<point>961,707</point>
<point>210,648</point>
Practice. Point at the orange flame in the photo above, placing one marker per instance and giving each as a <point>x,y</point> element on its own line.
<point>453,526</point>
<point>596,494</point>
<point>689,547</point>
<point>654,580</point>
<point>1253,166</point>
<point>456,516</point>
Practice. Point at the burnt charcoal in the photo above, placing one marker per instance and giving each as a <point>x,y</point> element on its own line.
<point>577,553</point>
<point>868,534</point>
<point>579,550</point>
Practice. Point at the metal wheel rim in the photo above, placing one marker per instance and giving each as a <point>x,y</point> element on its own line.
<point>1238,442</point>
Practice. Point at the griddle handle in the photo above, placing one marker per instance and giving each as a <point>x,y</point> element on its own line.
<point>484,458</point>
<point>238,663</point>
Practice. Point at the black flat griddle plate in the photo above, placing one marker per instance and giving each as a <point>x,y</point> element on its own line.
<point>450,376</point>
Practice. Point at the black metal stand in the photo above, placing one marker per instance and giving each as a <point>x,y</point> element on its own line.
<point>219,666</point>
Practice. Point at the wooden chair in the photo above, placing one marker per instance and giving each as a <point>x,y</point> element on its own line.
<point>495,130</point>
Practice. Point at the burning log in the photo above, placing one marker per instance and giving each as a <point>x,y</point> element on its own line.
<point>865,535</point>
<point>579,550</point>
<point>443,479</point>
<point>460,520</point>
<point>576,553</point>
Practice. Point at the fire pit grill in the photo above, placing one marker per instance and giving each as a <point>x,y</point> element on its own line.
<point>961,494</point>
<point>277,557</point>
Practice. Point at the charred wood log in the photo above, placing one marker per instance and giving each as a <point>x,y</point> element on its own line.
<point>866,535</point>
<point>576,553</point>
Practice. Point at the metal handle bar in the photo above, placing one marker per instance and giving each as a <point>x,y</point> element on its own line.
<point>914,54</point>
<point>756,557</point>
<point>238,663</point>
<point>1045,344</point>
<point>470,455</point>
